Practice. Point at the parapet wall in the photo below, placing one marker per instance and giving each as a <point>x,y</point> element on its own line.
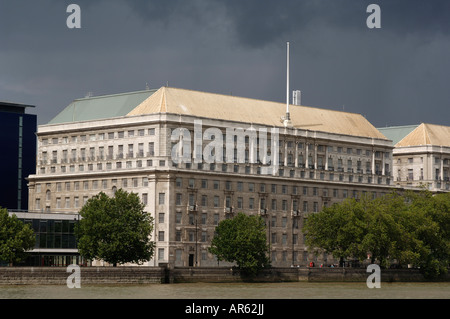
<point>150,275</point>
<point>88,275</point>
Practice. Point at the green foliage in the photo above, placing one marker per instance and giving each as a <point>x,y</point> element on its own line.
<point>413,228</point>
<point>242,239</point>
<point>115,229</point>
<point>15,238</point>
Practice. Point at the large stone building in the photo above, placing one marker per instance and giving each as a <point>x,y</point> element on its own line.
<point>152,143</point>
<point>421,156</point>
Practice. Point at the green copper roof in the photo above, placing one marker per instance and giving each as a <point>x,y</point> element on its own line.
<point>397,133</point>
<point>101,107</point>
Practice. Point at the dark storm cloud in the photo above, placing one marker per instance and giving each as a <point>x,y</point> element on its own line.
<point>258,23</point>
<point>395,75</point>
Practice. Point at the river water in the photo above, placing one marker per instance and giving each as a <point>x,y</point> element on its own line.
<point>287,290</point>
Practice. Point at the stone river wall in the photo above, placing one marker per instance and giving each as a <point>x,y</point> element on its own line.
<point>150,275</point>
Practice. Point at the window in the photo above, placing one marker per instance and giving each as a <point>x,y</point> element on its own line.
<point>274,188</point>
<point>178,216</point>
<point>191,200</point>
<point>274,204</point>
<point>160,253</point>
<point>316,207</point>
<point>178,198</point>
<point>284,242</point>
<point>216,219</point>
<point>151,149</point>
<point>161,235</point>
<point>240,202</point>
<point>216,201</point>
<point>145,199</point>
<point>273,222</point>
<point>162,198</point>
<point>410,174</point>
<point>284,205</point>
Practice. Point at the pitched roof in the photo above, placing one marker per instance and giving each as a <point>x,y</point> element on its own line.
<point>397,133</point>
<point>101,107</point>
<point>232,108</point>
<point>427,134</point>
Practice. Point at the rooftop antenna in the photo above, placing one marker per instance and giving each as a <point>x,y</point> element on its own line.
<point>287,84</point>
<point>287,119</point>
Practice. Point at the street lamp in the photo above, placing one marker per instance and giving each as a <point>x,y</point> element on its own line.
<point>263,212</point>
<point>295,214</point>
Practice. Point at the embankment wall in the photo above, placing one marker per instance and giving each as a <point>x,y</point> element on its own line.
<point>150,275</point>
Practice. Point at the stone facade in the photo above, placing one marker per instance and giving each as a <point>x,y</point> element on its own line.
<point>426,165</point>
<point>316,169</point>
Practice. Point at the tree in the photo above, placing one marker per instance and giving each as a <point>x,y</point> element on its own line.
<point>431,232</point>
<point>115,229</point>
<point>384,238</point>
<point>242,240</point>
<point>412,228</point>
<point>337,230</point>
<point>15,238</point>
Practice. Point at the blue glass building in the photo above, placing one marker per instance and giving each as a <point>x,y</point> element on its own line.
<point>18,154</point>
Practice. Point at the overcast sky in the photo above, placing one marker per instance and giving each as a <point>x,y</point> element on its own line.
<point>396,75</point>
